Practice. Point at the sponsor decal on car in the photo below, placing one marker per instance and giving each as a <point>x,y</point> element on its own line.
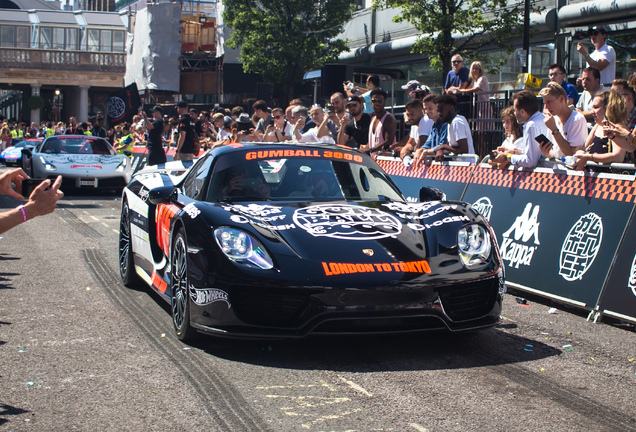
<point>438,223</point>
<point>334,269</point>
<point>263,212</point>
<point>581,246</point>
<point>347,222</point>
<point>276,154</point>
<point>192,210</point>
<point>516,247</point>
<point>483,206</point>
<point>206,296</point>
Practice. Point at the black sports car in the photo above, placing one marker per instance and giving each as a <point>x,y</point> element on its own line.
<point>257,240</point>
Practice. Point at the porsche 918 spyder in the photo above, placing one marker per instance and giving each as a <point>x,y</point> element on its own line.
<point>82,161</point>
<point>280,241</point>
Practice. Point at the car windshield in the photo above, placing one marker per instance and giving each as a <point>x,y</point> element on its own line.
<point>300,179</point>
<point>77,146</point>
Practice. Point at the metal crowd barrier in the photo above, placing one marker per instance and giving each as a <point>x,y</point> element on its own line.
<point>564,235</point>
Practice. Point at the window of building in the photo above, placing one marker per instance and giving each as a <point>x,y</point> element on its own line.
<point>93,40</point>
<point>118,41</point>
<point>22,37</point>
<point>72,40</point>
<point>7,36</point>
<point>106,40</point>
<point>14,36</point>
<point>58,39</point>
<point>46,38</point>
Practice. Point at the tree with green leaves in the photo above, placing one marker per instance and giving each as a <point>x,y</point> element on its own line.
<point>283,39</point>
<point>452,27</point>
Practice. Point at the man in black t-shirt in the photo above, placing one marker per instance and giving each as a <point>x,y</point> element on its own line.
<point>156,154</point>
<point>185,144</point>
<point>354,127</point>
<point>96,128</point>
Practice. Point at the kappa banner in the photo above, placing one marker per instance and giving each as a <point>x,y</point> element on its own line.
<point>122,105</point>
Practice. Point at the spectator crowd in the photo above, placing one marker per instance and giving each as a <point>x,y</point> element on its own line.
<point>594,125</point>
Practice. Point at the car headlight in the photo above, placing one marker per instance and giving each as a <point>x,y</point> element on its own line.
<point>242,248</point>
<point>47,166</point>
<point>474,245</point>
<point>122,166</point>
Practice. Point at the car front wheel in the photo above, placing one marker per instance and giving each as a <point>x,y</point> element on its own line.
<point>179,281</point>
<point>126,262</point>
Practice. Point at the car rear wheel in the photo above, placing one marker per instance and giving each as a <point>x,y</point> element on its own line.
<point>126,262</point>
<point>179,281</point>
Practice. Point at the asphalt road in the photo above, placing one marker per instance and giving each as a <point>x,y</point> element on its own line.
<point>79,351</point>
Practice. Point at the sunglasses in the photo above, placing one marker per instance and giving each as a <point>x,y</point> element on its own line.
<point>277,117</point>
<point>457,61</point>
<point>377,100</point>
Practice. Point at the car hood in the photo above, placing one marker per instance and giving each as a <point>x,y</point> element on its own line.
<point>353,231</point>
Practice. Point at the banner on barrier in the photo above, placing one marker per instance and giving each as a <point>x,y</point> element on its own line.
<point>618,298</point>
<point>558,231</point>
<point>449,177</point>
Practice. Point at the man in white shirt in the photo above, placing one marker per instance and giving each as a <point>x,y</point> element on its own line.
<point>527,112</point>
<point>568,126</point>
<point>459,136</point>
<point>421,127</point>
<point>604,58</point>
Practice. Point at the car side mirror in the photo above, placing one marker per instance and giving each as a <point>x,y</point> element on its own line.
<point>27,153</point>
<point>162,195</point>
<point>428,193</point>
<point>128,153</point>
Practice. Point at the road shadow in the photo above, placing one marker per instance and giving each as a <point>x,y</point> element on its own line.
<point>381,353</point>
<point>8,410</point>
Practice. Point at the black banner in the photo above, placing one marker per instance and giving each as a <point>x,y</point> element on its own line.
<point>618,298</point>
<point>558,232</point>
<point>122,105</point>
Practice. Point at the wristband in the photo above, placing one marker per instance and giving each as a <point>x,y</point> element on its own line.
<point>508,155</point>
<point>23,213</point>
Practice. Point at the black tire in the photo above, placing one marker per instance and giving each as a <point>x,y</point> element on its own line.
<point>179,282</point>
<point>126,263</point>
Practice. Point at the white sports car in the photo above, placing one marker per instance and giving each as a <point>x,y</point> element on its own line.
<point>82,161</point>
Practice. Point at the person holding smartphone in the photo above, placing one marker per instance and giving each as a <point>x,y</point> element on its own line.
<point>40,202</point>
<point>526,109</point>
<point>568,126</point>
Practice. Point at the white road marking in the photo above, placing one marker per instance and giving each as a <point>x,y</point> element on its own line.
<point>356,387</point>
<point>418,428</point>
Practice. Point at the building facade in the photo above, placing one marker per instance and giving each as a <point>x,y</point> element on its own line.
<point>55,63</point>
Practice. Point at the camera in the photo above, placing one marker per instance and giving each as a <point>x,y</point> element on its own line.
<point>245,126</point>
<point>28,185</point>
<point>492,155</point>
<point>581,34</point>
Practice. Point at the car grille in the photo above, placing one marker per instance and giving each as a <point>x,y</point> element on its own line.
<point>469,300</point>
<point>268,306</point>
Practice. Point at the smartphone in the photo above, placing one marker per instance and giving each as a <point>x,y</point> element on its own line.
<point>331,108</point>
<point>271,122</point>
<point>29,184</point>
<point>542,140</point>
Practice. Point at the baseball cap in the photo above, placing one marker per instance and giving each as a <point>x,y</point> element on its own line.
<point>413,84</point>
<point>355,99</point>
<point>182,104</point>
<point>157,108</point>
<point>599,29</point>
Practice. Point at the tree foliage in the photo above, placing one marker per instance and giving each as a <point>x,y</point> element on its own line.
<point>452,27</point>
<point>283,39</point>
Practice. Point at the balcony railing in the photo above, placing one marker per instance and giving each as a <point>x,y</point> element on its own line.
<point>62,60</point>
